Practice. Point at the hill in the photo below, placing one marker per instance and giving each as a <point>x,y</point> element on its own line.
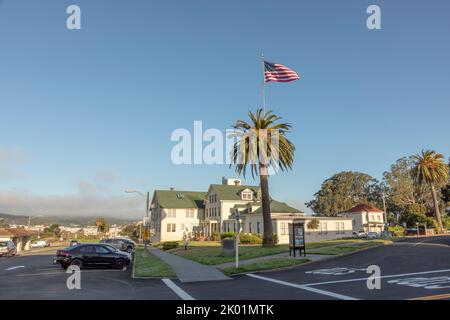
<point>64,221</point>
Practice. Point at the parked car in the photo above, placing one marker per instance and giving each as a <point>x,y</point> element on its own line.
<point>92,255</point>
<point>372,235</point>
<point>7,248</point>
<point>122,244</point>
<point>39,244</point>
<point>73,243</point>
<point>359,234</point>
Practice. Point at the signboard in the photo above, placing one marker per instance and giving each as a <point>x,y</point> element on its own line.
<point>297,237</point>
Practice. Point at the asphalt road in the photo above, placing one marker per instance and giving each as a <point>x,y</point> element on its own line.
<point>417,268</point>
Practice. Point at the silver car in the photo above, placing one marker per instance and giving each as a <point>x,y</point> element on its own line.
<point>7,249</point>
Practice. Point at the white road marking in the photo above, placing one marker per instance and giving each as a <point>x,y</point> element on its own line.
<point>381,277</point>
<point>13,268</point>
<point>304,287</point>
<point>180,292</point>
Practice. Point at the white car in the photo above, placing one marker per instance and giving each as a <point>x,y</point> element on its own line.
<point>40,244</point>
<point>359,234</point>
<point>372,235</point>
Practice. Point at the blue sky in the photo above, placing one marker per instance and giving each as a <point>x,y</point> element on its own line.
<point>88,113</point>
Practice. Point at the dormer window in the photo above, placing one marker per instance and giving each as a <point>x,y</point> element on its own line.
<point>247,195</point>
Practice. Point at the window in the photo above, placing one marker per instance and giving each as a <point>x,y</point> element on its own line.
<point>87,249</point>
<point>101,249</point>
<point>320,228</point>
<point>325,227</point>
<point>171,227</point>
<point>190,213</point>
<point>171,213</point>
<point>250,227</point>
<point>283,229</point>
<point>342,228</point>
<point>257,227</point>
<point>182,227</point>
<point>247,196</point>
<point>338,226</point>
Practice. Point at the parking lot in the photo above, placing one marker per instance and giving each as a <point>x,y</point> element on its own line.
<point>412,269</point>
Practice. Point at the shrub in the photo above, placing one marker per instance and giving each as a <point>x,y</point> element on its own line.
<point>397,231</point>
<point>248,238</point>
<point>215,236</point>
<point>169,245</point>
<point>225,235</point>
<point>275,238</point>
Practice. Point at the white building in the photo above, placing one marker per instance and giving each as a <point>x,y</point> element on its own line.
<point>365,218</point>
<point>178,213</point>
<point>175,214</point>
<point>90,231</point>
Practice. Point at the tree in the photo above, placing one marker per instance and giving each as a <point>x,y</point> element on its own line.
<point>445,191</point>
<point>402,189</point>
<point>102,225</point>
<point>314,224</point>
<point>262,145</point>
<point>430,169</point>
<point>54,230</point>
<point>345,190</point>
<point>131,231</point>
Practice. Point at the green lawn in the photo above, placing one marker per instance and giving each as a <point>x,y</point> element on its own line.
<point>264,265</point>
<point>209,252</point>
<point>346,247</point>
<point>149,265</point>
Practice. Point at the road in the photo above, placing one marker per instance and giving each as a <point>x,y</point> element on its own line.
<point>416,268</point>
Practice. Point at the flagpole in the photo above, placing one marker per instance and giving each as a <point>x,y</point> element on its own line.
<point>263,84</point>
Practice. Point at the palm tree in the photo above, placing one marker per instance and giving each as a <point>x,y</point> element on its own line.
<point>431,169</point>
<point>262,145</point>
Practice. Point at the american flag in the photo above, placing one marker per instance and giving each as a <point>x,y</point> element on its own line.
<point>278,73</point>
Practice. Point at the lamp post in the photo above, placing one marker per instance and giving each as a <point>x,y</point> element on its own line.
<point>147,205</point>
<point>238,225</point>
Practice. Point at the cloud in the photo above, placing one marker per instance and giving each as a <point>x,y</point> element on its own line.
<point>101,195</point>
<point>10,159</point>
<point>126,207</point>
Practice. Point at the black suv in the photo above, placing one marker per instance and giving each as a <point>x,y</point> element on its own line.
<point>122,244</point>
<point>92,255</point>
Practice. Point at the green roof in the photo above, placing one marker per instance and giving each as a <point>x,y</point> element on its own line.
<point>279,207</point>
<point>231,192</point>
<point>179,199</point>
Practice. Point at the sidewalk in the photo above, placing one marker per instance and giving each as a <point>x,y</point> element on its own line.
<point>312,257</point>
<point>187,270</point>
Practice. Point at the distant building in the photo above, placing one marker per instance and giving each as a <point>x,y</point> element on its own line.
<point>365,218</point>
<point>70,229</point>
<point>90,231</point>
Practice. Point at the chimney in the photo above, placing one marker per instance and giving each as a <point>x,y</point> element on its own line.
<point>172,188</point>
<point>237,183</point>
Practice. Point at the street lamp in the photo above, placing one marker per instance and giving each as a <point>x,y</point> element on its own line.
<point>238,217</point>
<point>384,208</point>
<point>147,196</point>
